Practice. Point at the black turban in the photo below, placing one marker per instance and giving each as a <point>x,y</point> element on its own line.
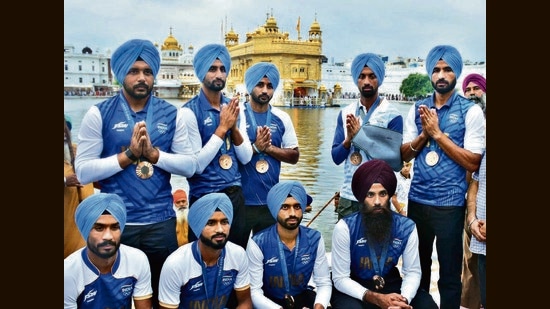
<point>372,171</point>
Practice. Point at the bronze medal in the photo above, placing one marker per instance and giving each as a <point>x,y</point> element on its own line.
<point>144,170</point>
<point>262,166</point>
<point>432,158</point>
<point>356,158</point>
<point>225,161</point>
<point>378,282</point>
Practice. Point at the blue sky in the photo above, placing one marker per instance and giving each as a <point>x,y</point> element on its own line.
<point>407,28</point>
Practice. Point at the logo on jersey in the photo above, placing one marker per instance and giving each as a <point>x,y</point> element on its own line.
<point>162,128</point>
<point>90,296</point>
<point>127,290</point>
<point>121,126</point>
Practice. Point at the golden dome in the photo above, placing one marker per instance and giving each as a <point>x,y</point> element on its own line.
<point>170,43</point>
<point>315,26</point>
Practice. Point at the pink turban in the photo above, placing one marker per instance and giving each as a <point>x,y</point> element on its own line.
<point>372,171</point>
<point>476,79</point>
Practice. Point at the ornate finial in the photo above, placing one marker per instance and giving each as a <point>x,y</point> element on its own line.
<point>271,12</point>
<point>170,30</point>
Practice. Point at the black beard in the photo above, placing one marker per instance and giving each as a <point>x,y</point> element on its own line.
<point>262,99</point>
<point>368,93</point>
<point>214,245</point>
<point>131,92</point>
<point>289,226</point>
<point>95,249</point>
<point>214,87</point>
<point>377,225</point>
<point>450,87</point>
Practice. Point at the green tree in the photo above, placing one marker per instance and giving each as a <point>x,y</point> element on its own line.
<point>416,86</point>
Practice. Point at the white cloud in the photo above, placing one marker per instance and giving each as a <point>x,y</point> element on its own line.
<point>391,27</point>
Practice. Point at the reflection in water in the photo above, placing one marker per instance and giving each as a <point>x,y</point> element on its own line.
<point>315,169</point>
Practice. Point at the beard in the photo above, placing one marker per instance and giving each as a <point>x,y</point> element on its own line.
<point>368,92</point>
<point>290,226</point>
<point>213,244</point>
<point>215,85</point>
<point>104,254</point>
<point>138,94</point>
<point>181,214</point>
<point>446,89</point>
<point>262,99</point>
<point>377,224</point>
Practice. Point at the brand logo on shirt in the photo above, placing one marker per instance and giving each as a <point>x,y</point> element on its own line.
<point>207,121</point>
<point>272,261</point>
<point>127,290</point>
<point>90,296</point>
<point>120,126</point>
<point>196,286</point>
<point>361,241</point>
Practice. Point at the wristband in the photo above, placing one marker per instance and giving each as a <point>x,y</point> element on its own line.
<point>256,148</point>
<point>130,155</point>
<point>65,181</point>
<point>411,145</point>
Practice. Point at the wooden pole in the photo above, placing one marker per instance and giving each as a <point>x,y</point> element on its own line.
<point>319,212</point>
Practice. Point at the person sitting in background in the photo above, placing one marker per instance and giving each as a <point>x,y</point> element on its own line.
<point>105,273</point>
<point>286,256</point>
<point>73,193</point>
<point>308,204</point>
<point>181,206</point>
<point>400,199</point>
<point>204,272</point>
<point>367,245</point>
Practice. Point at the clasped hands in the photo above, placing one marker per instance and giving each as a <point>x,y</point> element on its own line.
<point>140,143</point>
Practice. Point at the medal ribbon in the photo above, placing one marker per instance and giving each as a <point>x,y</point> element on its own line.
<point>378,268</point>
<point>219,264</point>
<point>432,145</point>
<point>283,260</point>
<point>128,114</point>
<point>227,139</point>
<point>253,120</point>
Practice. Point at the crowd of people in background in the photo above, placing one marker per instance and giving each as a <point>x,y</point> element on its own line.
<point>235,238</point>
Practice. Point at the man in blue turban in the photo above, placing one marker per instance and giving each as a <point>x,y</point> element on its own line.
<point>273,139</point>
<point>258,71</point>
<point>373,61</point>
<point>193,273</point>
<point>205,57</point>
<point>131,144</point>
<point>206,206</point>
<point>217,131</point>
<point>447,53</point>
<point>367,72</point>
<point>105,264</point>
<point>126,54</point>
<point>441,124</point>
<point>287,250</point>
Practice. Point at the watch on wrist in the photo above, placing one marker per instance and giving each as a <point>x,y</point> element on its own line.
<point>130,155</point>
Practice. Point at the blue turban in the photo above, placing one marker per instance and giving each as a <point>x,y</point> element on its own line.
<point>374,62</point>
<point>92,207</point>
<point>126,55</point>
<point>202,210</point>
<point>207,55</point>
<point>280,191</point>
<point>256,72</point>
<point>447,53</point>
<point>373,171</point>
